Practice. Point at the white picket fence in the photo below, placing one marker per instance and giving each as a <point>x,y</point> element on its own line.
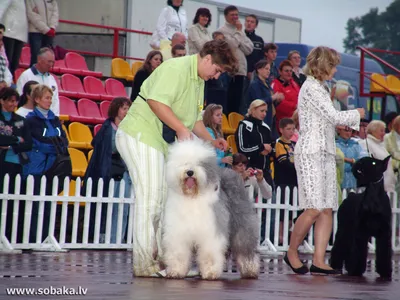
<point>71,220</point>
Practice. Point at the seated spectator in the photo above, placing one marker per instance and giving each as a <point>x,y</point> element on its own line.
<point>26,103</point>
<point>392,144</point>
<point>40,72</point>
<point>198,34</point>
<point>178,51</point>
<point>253,138</point>
<point>340,93</point>
<point>42,21</point>
<point>289,88</point>
<point>166,46</point>
<point>153,60</point>
<point>212,119</point>
<point>270,53</point>
<point>253,178</point>
<point>352,152</point>
<point>15,140</point>
<point>172,19</point>
<point>260,89</point>
<point>298,75</point>
<point>106,163</point>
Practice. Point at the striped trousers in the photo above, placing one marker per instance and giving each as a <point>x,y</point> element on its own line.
<point>146,168</point>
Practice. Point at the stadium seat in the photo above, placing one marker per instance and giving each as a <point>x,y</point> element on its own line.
<point>79,132</point>
<point>72,189</point>
<point>121,69</point>
<point>375,87</point>
<point>73,84</point>
<point>76,64</point>
<point>97,128</point>
<point>234,119</point>
<point>25,58</point>
<point>136,66</point>
<point>94,85</point>
<point>104,108</point>
<point>226,129</point>
<point>90,110</point>
<point>232,143</point>
<point>78,145</point>
<point>89,155</point>
<point>79,162</point>
<point>115,88</point>
<point>393,83</point>
<point>58,65</point>
<point>69,112</point>
<point>18,73</point>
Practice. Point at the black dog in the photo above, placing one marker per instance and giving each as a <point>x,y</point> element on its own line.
<point>362,216</point>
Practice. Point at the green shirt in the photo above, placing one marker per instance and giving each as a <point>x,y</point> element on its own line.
<point>174,83</point>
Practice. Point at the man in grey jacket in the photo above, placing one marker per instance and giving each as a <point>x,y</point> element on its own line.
<point>243,46</point>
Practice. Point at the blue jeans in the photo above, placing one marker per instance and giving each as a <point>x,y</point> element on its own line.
<point>37,41</point>
<point>125,213</point>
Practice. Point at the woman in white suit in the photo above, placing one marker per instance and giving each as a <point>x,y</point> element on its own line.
<point>314,159</point>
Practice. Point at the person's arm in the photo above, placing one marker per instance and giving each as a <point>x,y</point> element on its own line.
<point>8,140</point>
<point>8,76</point>
<point>21,82</point>
<point>140,77</point>
<point>243,141</point>
<point>162,24</point>
<point>55,104</point>
<point>35,18</point>
<point>265,189</point>
<point>245,44</point>
<point>54,16</point>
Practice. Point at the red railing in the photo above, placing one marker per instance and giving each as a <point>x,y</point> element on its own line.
<point>363,73</point>
<point>116,31</point>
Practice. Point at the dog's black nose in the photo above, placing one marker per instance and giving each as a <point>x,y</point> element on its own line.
<point>190,173</point>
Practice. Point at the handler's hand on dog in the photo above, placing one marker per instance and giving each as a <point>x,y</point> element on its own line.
<point>184,134</point>
<point>220,144</point>
<point>362,112</point>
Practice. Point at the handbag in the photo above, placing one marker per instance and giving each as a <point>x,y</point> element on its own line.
<point>117,167</point>
<point>62,166</point>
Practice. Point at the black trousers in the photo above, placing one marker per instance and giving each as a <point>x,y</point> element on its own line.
<point>235,94</point>
<point>13,49</point>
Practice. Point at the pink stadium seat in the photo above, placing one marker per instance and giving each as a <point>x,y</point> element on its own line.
<point>67,107</point>
<point>58,65</point>
<point>71,83</point>
<point>89,109</point>
<point>25,58</point>
<point>115,88</point>
<point>104,108</point>
<point>77,63</point>
<point>94,85</point>
<point>97,128</point>
<point>61,91</point>
<point>18,73</point>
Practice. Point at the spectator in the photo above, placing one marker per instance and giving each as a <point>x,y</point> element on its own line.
<point>260,89</point>
<point>40,73</point>
<point>106,163</point>
<point>42,21</point>
<point>177,38</point>
<point>392,145</point>
<point>352,152</point>
<point>258,44</point>
<point>178,51</point>
<point>295,118</point>
<point>171,20</point>
<point>198,33</point>
<point>389,118</point>
<point>289,88</point>
<point>13,16</point>
<point>270,53</point>
<point>26,103</point>
<point>212,119</point>
<point>237,39</point>
<point>15,140</point>
<point>153,60</point>
<point>2,49</point>
<point>253,138</point>
<point>298,74</point>
<point>5,74</point>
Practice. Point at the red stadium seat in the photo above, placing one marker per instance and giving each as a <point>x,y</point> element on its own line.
<point>61,91</point>
<point>97,128</point>
<point>115,88</point>
<point>68,108</point>
<point>58,65</point>
<point>18,73</point>
<point>94,85</point>
<point>104,108</point>
<point>25,58</point>
<point>76,64</point>
<point>71,83</point>
<point>90,110</point>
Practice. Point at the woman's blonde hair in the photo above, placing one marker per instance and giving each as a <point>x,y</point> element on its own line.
<point>38,92</point>
<point>375,125</point>
<point>254,105</point>
<point>320,62</point>
<point>396,124</point>
<point>208,119</point>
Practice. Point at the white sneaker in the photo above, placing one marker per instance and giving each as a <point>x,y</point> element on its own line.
<point>159,274</point>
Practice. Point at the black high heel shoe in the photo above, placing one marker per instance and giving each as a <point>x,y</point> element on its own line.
<point>302,270</point>
<point>318,271</point>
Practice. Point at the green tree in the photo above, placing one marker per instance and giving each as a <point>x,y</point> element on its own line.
<point>376,30</point>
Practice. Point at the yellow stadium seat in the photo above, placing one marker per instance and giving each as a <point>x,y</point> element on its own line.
<point>89,155</point>
<point>79,162</point>
<point>226,129</point>
<point>232,143</point>
<point>78,145</point>
<point>72,189</point>
<point>121,69</point>
<point>375,87</point>
<point>80,135</point>
<point>234,119</point>
<point>136,66</point>
<point>393,84</point>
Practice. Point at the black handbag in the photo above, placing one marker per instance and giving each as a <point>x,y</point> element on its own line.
<point>62,166</point>
<point>117,167</point>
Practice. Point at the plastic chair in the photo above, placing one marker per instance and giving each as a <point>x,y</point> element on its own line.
<point>115,88</point>
<point>104,108</point>
<point>69,112</point>
<point>79,132</point>
<point>25,58</point>
<point>393,83</point>
<point>226,128</point>
<point>58,65</point>
<point>97,128</point>
<point>232,143</point>
<point>18,73</point>
<point>94,85</point>
<point>79,162</point>
<point>90,153</point>
<point>76,64</point>
<point>90,110</point>
<point>73,84</point>
<point>234,119</point>
<point>375,87</point>
<point>121,69</point>
<point>136,66</point>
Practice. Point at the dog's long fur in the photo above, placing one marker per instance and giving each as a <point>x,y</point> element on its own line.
<point>362,216</point>
<point>208,211</point>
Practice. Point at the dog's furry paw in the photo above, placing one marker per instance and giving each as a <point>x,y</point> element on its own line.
<point>175,274</point>
<point>210,275</point>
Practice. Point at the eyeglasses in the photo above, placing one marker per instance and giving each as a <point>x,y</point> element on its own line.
<point>287,70</point>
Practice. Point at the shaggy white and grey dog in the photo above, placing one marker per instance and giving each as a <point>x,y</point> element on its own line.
<point>207,210</point>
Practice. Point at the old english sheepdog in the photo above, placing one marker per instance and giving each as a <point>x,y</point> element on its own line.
<point>207,210</point>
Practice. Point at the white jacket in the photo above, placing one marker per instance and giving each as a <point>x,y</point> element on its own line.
<point>13,16</point>
<point>168,23</point>
<point>42,15</point>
